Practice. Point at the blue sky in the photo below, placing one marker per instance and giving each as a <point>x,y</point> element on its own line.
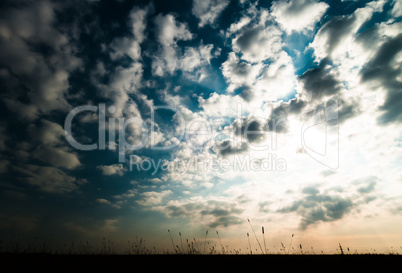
<point>204,114</point>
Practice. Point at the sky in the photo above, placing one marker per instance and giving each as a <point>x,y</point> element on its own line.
<point>126,119</point>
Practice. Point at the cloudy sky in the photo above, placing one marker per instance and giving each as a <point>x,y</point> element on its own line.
<point>129,118</point>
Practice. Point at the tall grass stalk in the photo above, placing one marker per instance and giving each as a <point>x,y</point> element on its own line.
<point>249,244</point>
<point>255,235</point>
<point>290,244</point>
<point>181,243</point>
<point>205,242</point>
<point>223,249</point>
<point>171,239</point>
<point>263,237</point>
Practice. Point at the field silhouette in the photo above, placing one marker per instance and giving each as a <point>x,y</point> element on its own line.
<point>210,244</point>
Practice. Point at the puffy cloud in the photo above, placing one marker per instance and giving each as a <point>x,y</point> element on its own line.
<point>277,80</point>
<point>267,73</point>
<point>57,157</point>
<point>170,57</point>
<point>125,46</point>
<point>170,31</point>
<point>239,73</point>
<point>196,57</point>
<point>49,179</point>
<point>251,40</point>
<point>221,105</point>
<point>212,213</point>
<point>152,198</point>
<point>227,148</point>
<point>107,202</point>
<point>40,76</point>
<point>207,11</point>
<point>259,81</point>
<point>334,39</point>
<point>51,145</point>
<point>397,8</point>
<point>103,201</point>
<point>320,82</point>
<point>315,207</point>
<point>298,15</point>
<point>130,46</point>
<point>115,169</point>
<point>367,184</point>
<point>137,20</point>
<point>47,133</point>
<point>385,67</point>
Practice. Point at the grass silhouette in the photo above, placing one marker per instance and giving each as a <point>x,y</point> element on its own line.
<point>137,246</point>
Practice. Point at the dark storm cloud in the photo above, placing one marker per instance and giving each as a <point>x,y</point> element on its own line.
<point>278,119</point>
<point>255,129</point>
<point>36,58</point>
<point>226,221</point>
<point>336,29</point>
<point>296,106</point>
<point>246,93</point>
<point>319,83</point>
<point>315,207</point>
<point>385,70</point>
<point>227,148</point>
<point>248,38</point>
<point>249,128</point>
<point>240,68</point>
<point>346,108</point>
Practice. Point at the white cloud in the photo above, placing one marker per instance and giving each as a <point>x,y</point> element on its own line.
<point>258,65</point>
<point>239,73</point>
<point>125,46</point>
<point>258,43</point>
<point>138,22</point>
<point>397,8</point>
<point>170,57</point>
<point>278,79</point>
<point>155,180</point>
<point>115,169</point>
<point>260,81</point>
<point>298,15</point>
<point>103,201</point>
<point>107,202</point>
<point>170,31</point>
<point>130,46</point>
<point>207,11</point>
<point>152,198</point>
<point>196,57</point>
<point>335,38</point>
<point>221,105</point>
